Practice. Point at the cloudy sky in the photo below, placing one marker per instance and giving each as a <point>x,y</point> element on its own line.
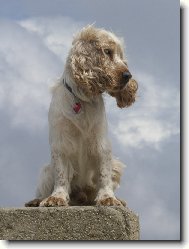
<point>35,37</point>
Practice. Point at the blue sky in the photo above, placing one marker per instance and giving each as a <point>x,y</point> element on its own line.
<point>35,38</point>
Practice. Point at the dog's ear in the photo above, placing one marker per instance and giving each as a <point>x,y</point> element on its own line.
<point>126,97</point>
<point>84,63</point>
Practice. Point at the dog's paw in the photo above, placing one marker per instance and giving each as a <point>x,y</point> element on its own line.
<point>53,201</point>
<point>33,203</point>
<point>122,202</point>
<point>109,201</point>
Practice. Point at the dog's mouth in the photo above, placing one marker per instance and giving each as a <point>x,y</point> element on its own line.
<point>118,88</point>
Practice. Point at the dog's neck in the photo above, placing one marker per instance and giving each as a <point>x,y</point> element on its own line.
<point>75,91</point>
<point>68,87</point>
<point>73,88</point>
<point>77,106</point>
<point>79,98</point>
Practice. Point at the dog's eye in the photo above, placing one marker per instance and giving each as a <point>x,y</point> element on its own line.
<point>108,52</point>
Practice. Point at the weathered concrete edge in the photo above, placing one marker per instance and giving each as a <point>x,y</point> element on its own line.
<point>126,220</point>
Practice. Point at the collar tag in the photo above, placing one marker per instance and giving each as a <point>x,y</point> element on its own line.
<point>77,107</point>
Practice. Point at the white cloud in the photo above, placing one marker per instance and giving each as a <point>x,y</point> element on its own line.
<point>31,54</point>
<point>57,33</point>
<point>140,131</point>
<point>152,119</point>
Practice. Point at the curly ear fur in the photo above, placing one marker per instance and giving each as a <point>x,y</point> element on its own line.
<point>126,97</point>
<point>84,61</point>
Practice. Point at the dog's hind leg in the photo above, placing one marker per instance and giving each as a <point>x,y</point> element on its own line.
<point>45,186</point>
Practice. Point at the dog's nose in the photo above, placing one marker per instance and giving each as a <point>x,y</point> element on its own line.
<point>127,75</point>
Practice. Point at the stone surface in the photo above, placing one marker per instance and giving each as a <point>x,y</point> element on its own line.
<point>69,223</point>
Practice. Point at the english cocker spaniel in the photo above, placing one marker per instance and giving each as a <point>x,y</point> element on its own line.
<point>83,170</point>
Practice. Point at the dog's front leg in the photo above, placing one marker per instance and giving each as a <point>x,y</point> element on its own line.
<point>63,173</point>
<point>105,194</point>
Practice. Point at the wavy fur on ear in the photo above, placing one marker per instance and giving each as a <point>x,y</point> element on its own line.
<point>86,69</point>
<point>127,96</point>
<point>86,62</point>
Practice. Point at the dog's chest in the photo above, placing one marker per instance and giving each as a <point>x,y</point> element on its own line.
<point>92,116</point>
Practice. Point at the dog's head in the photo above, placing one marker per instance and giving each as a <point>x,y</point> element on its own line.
<point>97,64</point>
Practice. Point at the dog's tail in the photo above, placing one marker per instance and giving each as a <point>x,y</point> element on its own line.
<point>117,171</point>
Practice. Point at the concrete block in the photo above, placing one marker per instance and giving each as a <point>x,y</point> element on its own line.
<point>69,223</point>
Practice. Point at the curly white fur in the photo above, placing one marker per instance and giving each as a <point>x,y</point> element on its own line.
<point>81,155</point>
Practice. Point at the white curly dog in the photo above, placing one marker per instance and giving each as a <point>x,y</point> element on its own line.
<point>83,170</point>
